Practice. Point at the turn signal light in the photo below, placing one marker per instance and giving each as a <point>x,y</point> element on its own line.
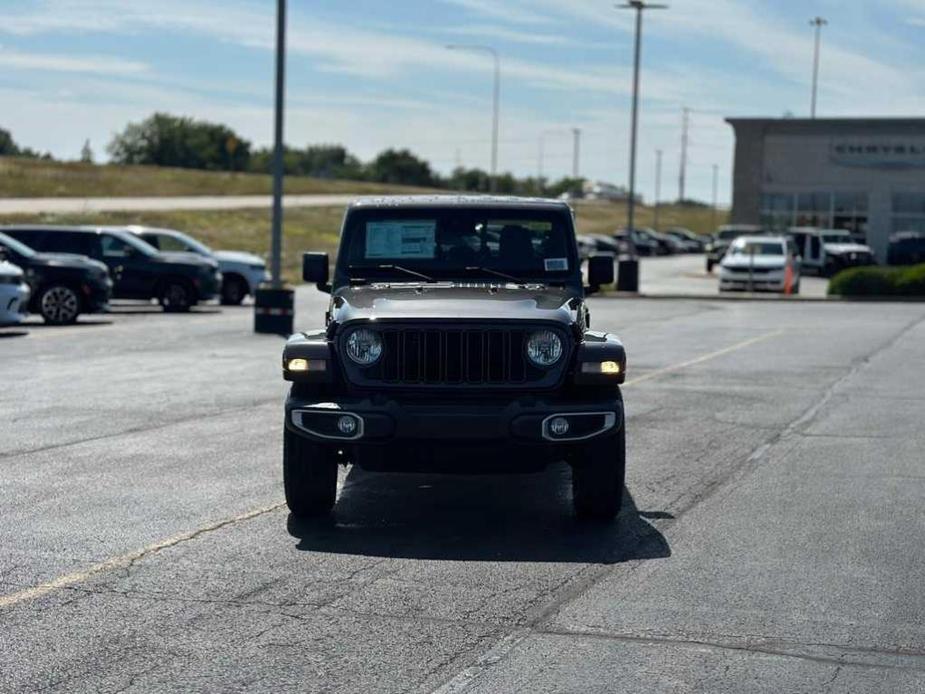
<point>300,364</point>
<point>611,368</point>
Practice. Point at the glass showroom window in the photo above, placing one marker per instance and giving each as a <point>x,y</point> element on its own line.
<point>814,210</point>
<point>849,212</point>
<point>777,210</point>
<point>909,212</point>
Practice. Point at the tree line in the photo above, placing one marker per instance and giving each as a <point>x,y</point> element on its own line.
<point>176,141</point>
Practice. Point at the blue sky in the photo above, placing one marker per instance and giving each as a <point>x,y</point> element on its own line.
<point>372,75</point>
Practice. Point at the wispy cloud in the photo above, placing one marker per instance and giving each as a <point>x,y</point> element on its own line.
<point>53,62</point>
<point>511,12</point>
<point>491,31</point>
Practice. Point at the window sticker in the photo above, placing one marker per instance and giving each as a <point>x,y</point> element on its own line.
<point>401,239</point>
<point>556,264</point>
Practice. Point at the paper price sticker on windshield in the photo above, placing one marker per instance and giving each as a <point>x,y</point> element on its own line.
<point>401,239</point>
<point>556,264</point>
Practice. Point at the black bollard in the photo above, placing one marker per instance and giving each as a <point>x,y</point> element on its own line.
<point>274,311</point>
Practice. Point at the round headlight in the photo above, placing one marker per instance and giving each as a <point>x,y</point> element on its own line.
<point>364,346</point>
<point>544,348</point>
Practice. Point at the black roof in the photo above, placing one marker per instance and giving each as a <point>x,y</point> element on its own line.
<point>415,201</point>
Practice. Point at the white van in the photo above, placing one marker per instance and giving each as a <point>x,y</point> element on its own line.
<point>826,251</point>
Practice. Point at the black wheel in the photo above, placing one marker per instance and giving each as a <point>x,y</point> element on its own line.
<point>176,296</point>
<point>59,305</point>
<point>234,289</point>
<point>598,475</point>
<point>309,476</point>
<point>709,265</point>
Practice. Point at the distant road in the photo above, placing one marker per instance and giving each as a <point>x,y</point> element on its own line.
<point>190,202</point>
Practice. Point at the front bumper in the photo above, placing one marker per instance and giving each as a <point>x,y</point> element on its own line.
<point>96,296</point>
<point>208,286</point>
<point>766,281</point>
<point>526,420</point>
<point>14,303</point>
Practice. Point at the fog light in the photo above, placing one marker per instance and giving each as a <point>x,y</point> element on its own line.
<point>347,425</point>
<point>558,426</point>
<point>298,365</point>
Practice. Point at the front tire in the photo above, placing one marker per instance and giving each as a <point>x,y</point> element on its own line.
<point>709,265</point>
<point>598,475</point>
<point>234,289</point>
<point>176,296</point>
<point>59,305</point>
<point>309,476</point>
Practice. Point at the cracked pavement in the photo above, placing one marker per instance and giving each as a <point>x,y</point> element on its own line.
<point>772,540</point>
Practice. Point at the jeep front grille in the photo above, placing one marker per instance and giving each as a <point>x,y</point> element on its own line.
<point>455,357</point>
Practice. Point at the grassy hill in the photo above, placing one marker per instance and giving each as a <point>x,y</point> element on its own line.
<point>35,178</point>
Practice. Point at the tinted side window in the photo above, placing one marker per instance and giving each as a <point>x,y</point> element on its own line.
<point>168,243</point>
<point>814,245</point>
<point>152,239</point>
<point>114,247</point>
<point>61,242</point>
<point>30,237</point>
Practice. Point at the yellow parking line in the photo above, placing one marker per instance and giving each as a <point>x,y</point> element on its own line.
<point>702,358</point>
<point>122,561</point>
<point>127,559</point>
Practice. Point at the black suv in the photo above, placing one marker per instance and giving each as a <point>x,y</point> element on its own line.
<point>457,339</point>
<point>63,285</point>
<point>177,280</point>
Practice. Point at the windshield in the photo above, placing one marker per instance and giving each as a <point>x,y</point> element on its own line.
<point>836,238</point>
<point>16,246</point>
<point>136,243</point>
<point>191,243</point>
<point>458,243</point>
<point>757,248</point>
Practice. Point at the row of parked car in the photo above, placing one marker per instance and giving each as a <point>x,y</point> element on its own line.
<point>60,272</point>
<point>647,242</point>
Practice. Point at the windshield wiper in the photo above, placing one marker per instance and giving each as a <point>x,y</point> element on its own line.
<point>407,271</point>
<point>497,273</point>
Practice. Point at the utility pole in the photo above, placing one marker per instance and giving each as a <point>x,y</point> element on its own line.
<point>495,109</point>
<point>576,151</point>
<point>685,121</point>
<point>818,23</point>
<point>658,186</point>
<point>715,179</point>
<point>632,282</point>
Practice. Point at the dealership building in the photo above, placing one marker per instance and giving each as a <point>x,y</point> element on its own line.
<point>864,175</point>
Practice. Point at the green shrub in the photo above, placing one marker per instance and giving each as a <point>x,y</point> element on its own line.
<point>879,281</point>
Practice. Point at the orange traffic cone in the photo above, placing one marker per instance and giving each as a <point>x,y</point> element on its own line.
<point>788,279</point>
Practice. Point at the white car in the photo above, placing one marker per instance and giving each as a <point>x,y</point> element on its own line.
<point>14,294</point>
<point>760,263</point>
<point>241,272</point>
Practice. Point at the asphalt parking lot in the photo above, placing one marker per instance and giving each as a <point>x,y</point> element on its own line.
<point>774,538</point>
<point>686,275</point>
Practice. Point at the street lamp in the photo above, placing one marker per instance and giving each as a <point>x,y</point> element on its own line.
<point>496,96</point>
<point>818,23</point>
<point>628,277</point>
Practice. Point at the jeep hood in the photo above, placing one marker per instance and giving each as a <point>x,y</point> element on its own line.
<point>451,301</point>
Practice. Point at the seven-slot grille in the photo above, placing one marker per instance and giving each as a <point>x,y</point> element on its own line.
<point>442,356</point>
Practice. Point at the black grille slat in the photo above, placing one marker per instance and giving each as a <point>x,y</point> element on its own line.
<point>453,356</point>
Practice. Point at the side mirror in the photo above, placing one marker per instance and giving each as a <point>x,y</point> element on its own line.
<point>315,269</point>
<point>600,271</point>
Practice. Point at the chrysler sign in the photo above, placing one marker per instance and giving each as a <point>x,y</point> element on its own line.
<point>879,153</point>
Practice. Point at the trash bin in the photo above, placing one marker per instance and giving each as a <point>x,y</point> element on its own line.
<point>628,275</point>
<point>274,311</point>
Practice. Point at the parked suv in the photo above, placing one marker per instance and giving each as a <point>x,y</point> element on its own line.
<point>457,339</point>
<point>177,280</point>
<point>906,248</point>
<point>827,251</point>
<point>63,285</point>
<point>242,272</point>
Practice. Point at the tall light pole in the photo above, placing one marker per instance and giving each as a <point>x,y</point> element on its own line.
<point>632,284</point>
<point>658,186</point>
<point>682,175</point>
<point>273,306</point>
<point>576,151</point>
<point>715,180</point>
<point>496,98</point>
<point>818,23</point>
